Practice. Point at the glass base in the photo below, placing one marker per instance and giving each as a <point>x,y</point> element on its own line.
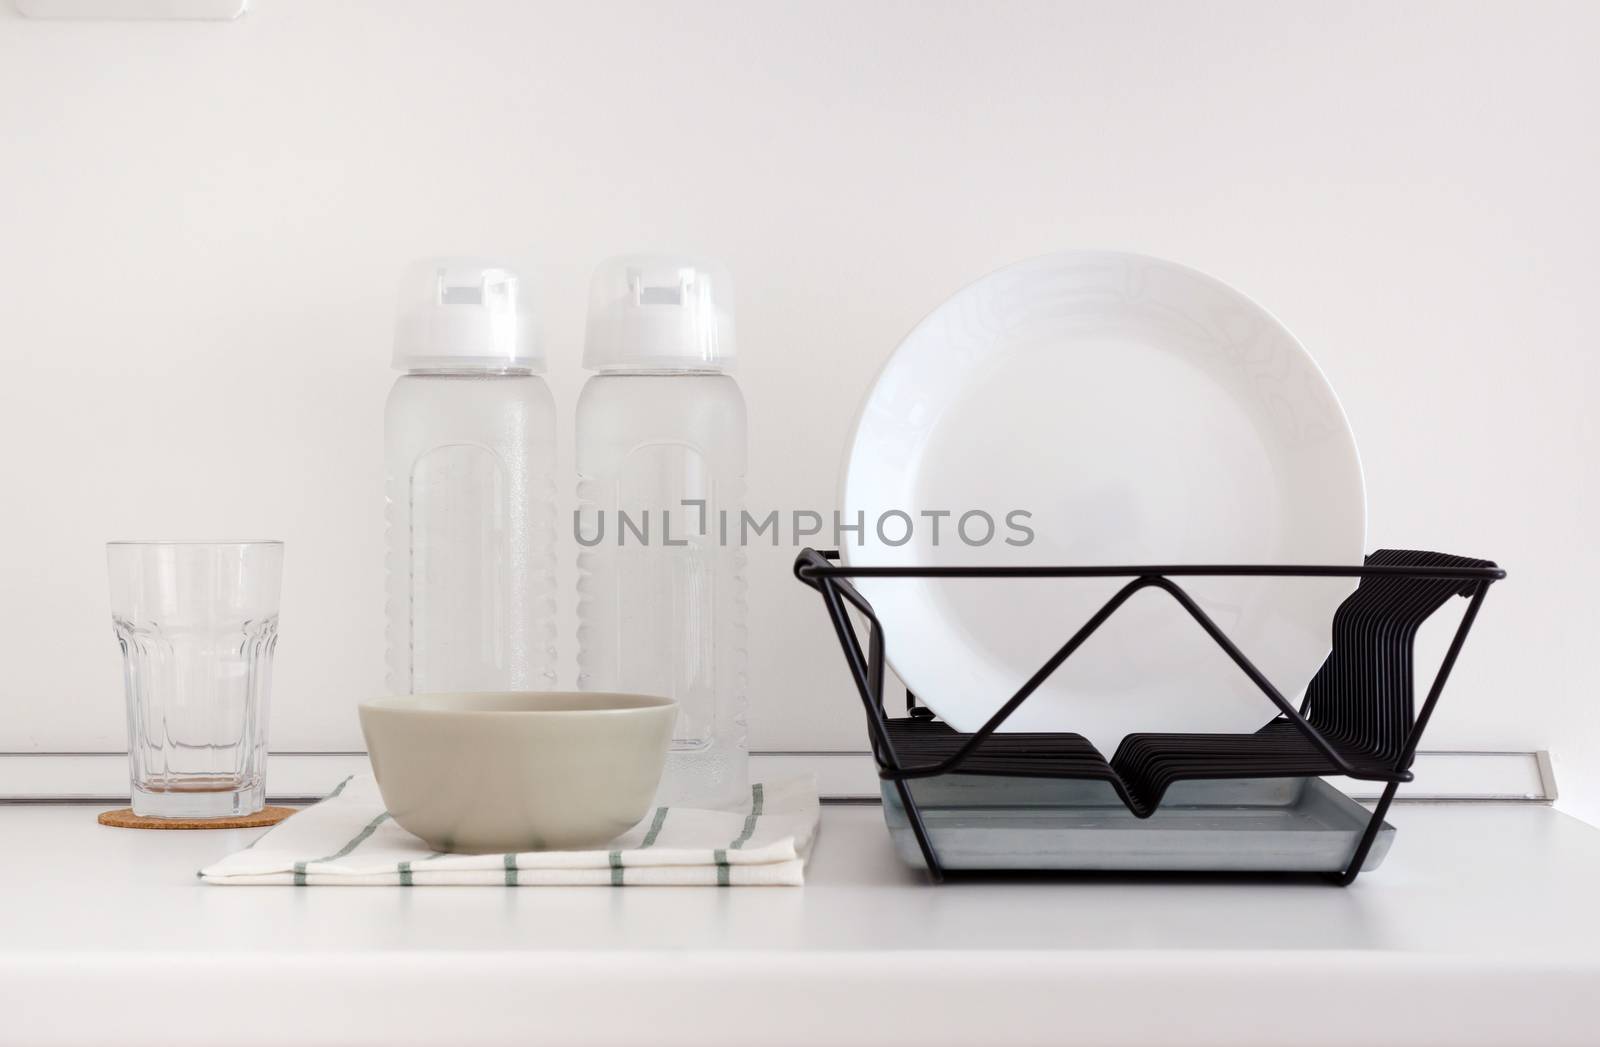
<point>203,798</point>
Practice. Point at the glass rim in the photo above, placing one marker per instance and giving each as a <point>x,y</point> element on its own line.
<point>213,542</point>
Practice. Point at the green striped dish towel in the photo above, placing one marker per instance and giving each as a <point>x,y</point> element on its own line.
<point>349,839</point>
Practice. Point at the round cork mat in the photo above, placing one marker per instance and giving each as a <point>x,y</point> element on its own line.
<point>124,818</point>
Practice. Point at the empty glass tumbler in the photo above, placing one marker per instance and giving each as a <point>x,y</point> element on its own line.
<point>198,622</point>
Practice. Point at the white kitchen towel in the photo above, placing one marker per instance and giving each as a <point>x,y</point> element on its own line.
<point>349,839</point>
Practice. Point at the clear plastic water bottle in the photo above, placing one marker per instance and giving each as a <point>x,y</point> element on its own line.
<point>661,451</point>
<point>471,441</point>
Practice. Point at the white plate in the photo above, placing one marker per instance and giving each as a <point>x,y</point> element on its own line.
<point>1143,413</point>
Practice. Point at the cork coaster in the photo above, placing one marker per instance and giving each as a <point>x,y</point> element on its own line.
<point>124,818</point>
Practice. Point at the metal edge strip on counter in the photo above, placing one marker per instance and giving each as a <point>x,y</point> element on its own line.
<point>842,777</point>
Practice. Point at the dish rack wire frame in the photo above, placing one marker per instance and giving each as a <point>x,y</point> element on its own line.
<point>821,571</point>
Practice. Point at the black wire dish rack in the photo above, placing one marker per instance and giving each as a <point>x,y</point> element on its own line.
<point>1358,717</point>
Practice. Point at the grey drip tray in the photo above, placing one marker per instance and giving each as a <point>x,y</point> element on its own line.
<point>1246,825</point>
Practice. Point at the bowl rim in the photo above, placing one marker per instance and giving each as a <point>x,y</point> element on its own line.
<point>403,704</point>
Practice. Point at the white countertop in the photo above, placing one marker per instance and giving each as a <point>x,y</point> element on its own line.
<point>1483,926</point>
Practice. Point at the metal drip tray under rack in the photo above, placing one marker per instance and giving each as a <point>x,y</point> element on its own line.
<point>1252,825</point>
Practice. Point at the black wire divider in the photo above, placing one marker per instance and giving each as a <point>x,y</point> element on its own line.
<point>1357,718</point>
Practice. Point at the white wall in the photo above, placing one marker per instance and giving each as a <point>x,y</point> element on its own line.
<point>201,226</point>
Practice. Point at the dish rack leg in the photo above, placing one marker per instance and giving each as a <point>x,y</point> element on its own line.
<point>868,674</point>
<point>1409,752</point>
<point>920,830</point>
<point>1375,823</point>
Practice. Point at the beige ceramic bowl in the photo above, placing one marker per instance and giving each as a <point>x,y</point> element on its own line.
<point>518,771</point>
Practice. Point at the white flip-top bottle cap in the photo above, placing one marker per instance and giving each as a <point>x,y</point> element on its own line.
<point>663,312</point>
<point>465,314</point>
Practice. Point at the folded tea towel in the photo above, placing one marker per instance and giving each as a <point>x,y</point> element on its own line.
<point>349,839</point>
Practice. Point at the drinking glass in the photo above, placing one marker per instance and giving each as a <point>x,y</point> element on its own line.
<point>198,622</point>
